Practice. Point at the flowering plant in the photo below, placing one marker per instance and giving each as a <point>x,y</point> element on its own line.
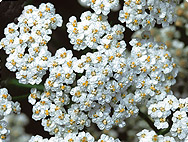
<point>108,85</point>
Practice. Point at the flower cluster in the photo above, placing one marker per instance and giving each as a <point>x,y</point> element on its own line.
<point>105,86</point>
<point>61,67</point>
<point>51,103</point>
<point>80,137</point>
<point>182,13</point>
<point>161,110</point>
<point>155,72</point>
<point>180,121</point>
<point>7,107</point>
<point>101,6</point>
<point>171,36</point>
<point>150,136</point>
<point>92,31</point>
<point>16,124</point>
<point>169,109</point>
<point>179,51</point>
<point>101,94</point>
<point>26,42</point>
<point>98,69</point>
<point>146,13</point>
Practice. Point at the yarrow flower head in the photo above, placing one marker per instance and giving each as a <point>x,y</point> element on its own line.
<point>171,36</point>
<point>181,11</point>
<point>92,31</point>
<point>155,72</point>
<point>142,13</point>
<point>151,136</point>
<point>101,6</point>
<point>31,33</point>
<point>80,137</point>
<point>7,107</point>
<point>104,86</point>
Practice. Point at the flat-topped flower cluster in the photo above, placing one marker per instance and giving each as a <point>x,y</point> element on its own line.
<point>26,42</point>
<point>80,137</point>
<point>146,13</point>
<point>16,124</point>
<point>7,107</point>
<point>92,31</point>
<point>105,86</point>
<point>102,94</point>
<point>182,13</point>
<point>177,109</point>
<point>101,6</point>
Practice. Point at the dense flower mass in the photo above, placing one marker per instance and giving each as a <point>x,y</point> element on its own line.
<point>161,111</point>
<point>145,13</point>
<point>92,31</point>
<point>16,124</point>
<point>156,72</point>
<point>26,42</point>
<point>182,13</point>
<point>172,37</point>
<point>150,136</point>
<point>80,137</point>
<point>101,6</point>
<point>106,85</point>
<point>7,107</point>
<point>101,95</point>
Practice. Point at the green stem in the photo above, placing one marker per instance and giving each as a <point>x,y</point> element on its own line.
<point>148,120</point>
<point>164,131</point>
<point>151,124</point>
<point>170,122</point>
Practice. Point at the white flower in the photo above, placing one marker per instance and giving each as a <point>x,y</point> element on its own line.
<point>32,34</point>
<point>70,137</point>
<point>106,138</point>
<point>82,136</point>
<point>135,13</point>
<point>37,138</point>
<point>178,129</point>
<point>179,116</point>
<point>161,123</point>
<point>38,112</point>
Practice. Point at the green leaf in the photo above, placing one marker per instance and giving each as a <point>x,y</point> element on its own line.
<point>16,83</point>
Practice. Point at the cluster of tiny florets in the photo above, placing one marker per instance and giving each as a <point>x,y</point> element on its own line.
<point>30,34</point>
<point>7,107</point>
<point>155,72</point>
<point>179,127</point>
<point>51,103</point>
<point>101,6</point>
<point>16,124</point>
<point>105,86</point>
<point>92,31</point>
<point>102,94</point>
<point>142,13</point>
<point>182,13</point>
<point>162,112</point>
<point>150,136</point>
<point>179,50</point>
<point>80,137</point>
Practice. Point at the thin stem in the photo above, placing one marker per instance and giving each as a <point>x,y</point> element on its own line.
<point>148,120</point>
<point>170,122</point>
